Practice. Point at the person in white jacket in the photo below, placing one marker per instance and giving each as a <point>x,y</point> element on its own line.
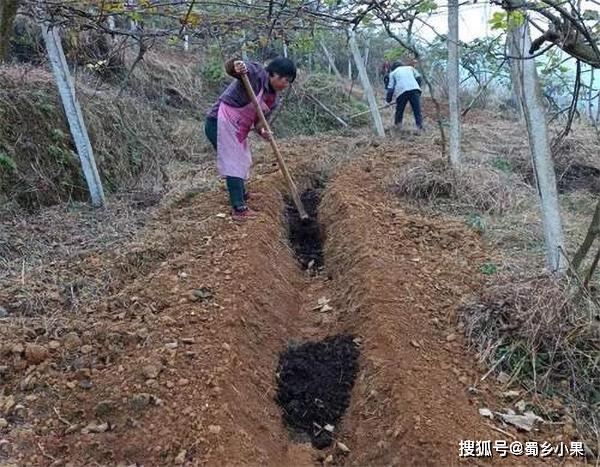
<point>405,86</point>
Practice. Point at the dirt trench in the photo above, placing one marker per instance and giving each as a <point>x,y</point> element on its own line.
<point>196,350</point>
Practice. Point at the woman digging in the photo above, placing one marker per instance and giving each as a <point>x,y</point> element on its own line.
<point>233,116</point>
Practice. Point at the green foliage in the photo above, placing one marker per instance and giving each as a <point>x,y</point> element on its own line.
<point>212,71</point>
<point>503,21</point>
<point>489,269</point>
<point>499,21</point>
<point>502,164</point>
<point>427,6</point>
<point>303,43</point>
<point>394,53</point>
<point>476,222</point>
<point>7,164</point>
<point>61,155</point>
<point>57,135</point>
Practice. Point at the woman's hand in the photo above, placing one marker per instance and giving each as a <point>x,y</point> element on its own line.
<point>240,67</point>
<point>264,133</point>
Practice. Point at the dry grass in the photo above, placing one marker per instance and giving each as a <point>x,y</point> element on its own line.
<point>546,334</point>
<point>132,141</point>
<point>477,186</point>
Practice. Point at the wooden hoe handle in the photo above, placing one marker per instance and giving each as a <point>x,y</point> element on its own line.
<point>280,161</point>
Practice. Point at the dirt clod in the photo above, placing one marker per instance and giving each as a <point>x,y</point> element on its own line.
<point>35,353</point>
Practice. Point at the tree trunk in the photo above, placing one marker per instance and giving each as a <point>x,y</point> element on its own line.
<point>409,30</point>
<point>8,11</point>
<point>453,84</point>
<point>350,68</point>
<point>590,95</point>
<point>514,74</point>
<point>540,149</point>
<point>73,113</point>
<point>592,232</point>
<point>368,90</point>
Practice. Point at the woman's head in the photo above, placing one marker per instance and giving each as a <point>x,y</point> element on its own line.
<point>282,72</point>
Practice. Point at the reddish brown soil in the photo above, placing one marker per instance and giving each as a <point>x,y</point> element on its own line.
<point>178,359</point>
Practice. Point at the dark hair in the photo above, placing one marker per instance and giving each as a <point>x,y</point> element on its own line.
<point>396,64</point>
<point>284,67</point>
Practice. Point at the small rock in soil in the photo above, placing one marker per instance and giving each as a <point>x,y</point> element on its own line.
<point>151,371</point>
<point>203,293</point>
<point>180,459</point>
<point>35,353</point>
<point>524,422</point>
<point>85,349</point>
<point>451,337</point>
<point>486,413</point>
<point>95,428</point>
<point>503,378</point>
<point>72,340</point>
<point>511,394</point>
<point>3,423</point>
<point>5,447</point>
<point>142,400</point>
<point>103,408</point>
<point>54,345</point>
<point>85,384</point>
<point>3,312</point>
<point>27,383</point>
<point>342,447</point>
<point>214,429</point>
<point>521,406</point>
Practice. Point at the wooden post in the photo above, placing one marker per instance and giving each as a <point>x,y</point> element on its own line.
<point>452,72</point>
<point>326,109</point>
<point>73,113</point>
<point>331,62</point>
<point>364,79</point>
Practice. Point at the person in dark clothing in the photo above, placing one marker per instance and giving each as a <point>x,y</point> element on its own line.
<point>405,87</point>
<point>385,71</point>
